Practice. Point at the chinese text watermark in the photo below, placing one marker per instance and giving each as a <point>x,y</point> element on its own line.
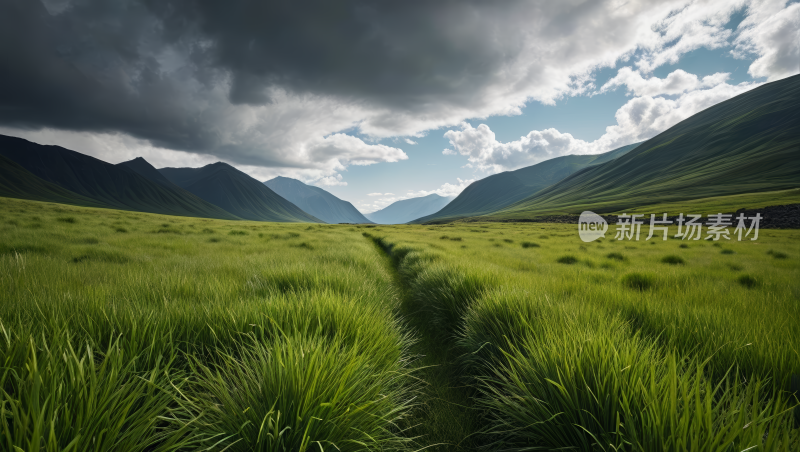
<point>690,227</point>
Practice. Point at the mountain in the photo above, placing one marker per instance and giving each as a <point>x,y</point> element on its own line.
<point>102,183</point>
<point>144,168</point>
<point>747,144</point>
<point>17,182</point>
<point>401,212</point>
<point>316,201</point>
<point>503,189</point>
<point>236,192</point>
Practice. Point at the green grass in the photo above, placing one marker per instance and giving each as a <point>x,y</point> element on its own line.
<point>151,341</point>
<point>633,354</point>
<point>723,204</point>
<point>355,338</point>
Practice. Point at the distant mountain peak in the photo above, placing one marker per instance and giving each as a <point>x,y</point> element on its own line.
<point>137,160</point>
<point>144,168</point>
<point>406,210</point>
<point>316,201</point>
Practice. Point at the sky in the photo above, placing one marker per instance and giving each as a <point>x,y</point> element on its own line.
<point>376,101</point>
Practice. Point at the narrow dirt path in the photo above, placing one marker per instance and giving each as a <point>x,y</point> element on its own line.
<point>444,419</point>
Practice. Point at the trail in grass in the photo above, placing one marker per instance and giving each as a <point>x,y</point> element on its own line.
<point>444,419</point>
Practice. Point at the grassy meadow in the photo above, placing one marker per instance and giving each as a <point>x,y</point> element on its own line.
<point>125,331</point>
<point>609,345</point>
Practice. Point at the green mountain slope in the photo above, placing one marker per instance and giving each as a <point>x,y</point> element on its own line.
<point>503,189</point>
<point>236,192</point>
<point>316,201</point>
<point>106,184</point>
<point>17,182</point>
<point>747,144</point>
<point>401,212</point>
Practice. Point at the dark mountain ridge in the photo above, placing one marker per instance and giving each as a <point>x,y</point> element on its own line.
<point>107,185</point>
<point>236,192</point>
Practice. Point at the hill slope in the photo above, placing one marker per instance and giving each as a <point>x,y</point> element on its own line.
<point>747,144</point>
<point>236,192</point>
<point>106,184</point>
<point>316,201</point>
<point>503,189</point>
<point>407,210</point>
<point>17,182</point>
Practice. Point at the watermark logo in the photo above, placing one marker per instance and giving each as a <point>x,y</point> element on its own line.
<point>689,227</point>
<point>591,226</point>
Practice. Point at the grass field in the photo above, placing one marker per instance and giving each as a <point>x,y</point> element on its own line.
<point>610,345</point>
<point>130,331</point>
<point>126,331</point>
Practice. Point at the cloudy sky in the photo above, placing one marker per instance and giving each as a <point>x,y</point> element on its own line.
<point>376,101</point>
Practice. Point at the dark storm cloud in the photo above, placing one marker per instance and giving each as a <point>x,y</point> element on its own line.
<point>393,53</point>
<point>107,65</point>
<point>92,67</point>
<point>272,83</point>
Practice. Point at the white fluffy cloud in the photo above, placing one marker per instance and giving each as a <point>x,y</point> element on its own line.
<point>340,150</point>
<point>410,141</point>
<point>771,32</point>
<point>677,82</point>
<point>330,181</point>
<point>639,119</point>
<point>315,160</point>
<point>686,27</point>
